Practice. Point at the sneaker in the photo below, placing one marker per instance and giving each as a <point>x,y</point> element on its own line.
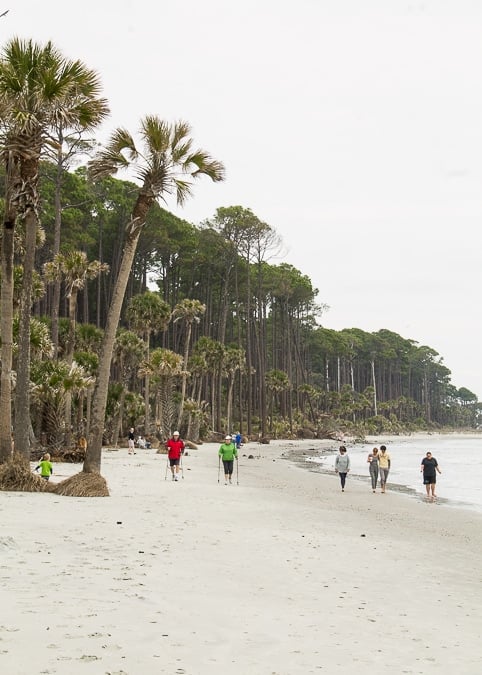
<point>175,478</point>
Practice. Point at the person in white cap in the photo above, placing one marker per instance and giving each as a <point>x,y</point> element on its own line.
<point>228,454</point>
<point>175,448</point>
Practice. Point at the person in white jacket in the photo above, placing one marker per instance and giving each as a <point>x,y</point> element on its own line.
<point>342,466</point>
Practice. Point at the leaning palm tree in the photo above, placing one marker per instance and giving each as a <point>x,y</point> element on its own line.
<point>167,164</point>
<point>38,87</point>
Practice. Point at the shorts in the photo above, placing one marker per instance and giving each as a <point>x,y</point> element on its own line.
<point>430,480</point>
<point>174,462</point>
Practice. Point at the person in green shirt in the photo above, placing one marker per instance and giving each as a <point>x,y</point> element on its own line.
<point>45,466</point>
<point>228,454</point>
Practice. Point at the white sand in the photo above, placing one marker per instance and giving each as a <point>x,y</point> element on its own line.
<point>271,577</point>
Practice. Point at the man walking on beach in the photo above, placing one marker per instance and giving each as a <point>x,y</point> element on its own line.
<point>175,449</point>
<point>384,463</point>
<point>429,466</point>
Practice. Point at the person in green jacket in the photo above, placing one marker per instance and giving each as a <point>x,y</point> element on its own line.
<point>228,454</point>
<point>45,466</point>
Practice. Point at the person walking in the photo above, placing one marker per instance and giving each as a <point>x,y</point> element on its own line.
<point>430,467</point>
<point>384,463</point>
<point>342,466</point>
<point>131,439</point>
<point>175,449</point>
<point>45,466</point>
<point>373,462</point>
<point>228,453</point>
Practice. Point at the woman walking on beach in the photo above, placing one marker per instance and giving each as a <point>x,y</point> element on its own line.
<point>373,462</point>
<point>342,466</point>
<point>228,454</point>
<point>429,466</point>
<point>131,441</point>
<point>384,462</point>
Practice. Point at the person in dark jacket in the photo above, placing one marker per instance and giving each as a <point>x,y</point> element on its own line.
<point>429,466</point>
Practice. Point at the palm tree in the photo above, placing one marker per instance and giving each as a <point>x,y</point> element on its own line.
<point>38,86</point>
<point>277,382</point>
<point>148,313</point>
<point>234,359</point>
<point>164,367</point>
<point>128,352</point>
<point>76,270</point>
<point>188,311</point>
<point>167,164</point>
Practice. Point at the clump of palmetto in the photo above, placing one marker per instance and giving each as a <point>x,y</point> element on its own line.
<point>16,476</point>
<point>83,485</point>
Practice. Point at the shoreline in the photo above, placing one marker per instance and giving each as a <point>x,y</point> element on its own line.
<point>281,575</point>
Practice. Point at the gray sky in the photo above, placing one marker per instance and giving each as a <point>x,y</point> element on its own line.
<point>354,128</point>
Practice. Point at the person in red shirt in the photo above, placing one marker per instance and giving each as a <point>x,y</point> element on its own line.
<point>175,449</point>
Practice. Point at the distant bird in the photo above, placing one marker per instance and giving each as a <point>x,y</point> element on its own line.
<point>3,13</point>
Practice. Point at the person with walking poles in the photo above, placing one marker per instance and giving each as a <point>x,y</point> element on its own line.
<point>175,450</point>
<point>373,462</point>
<point>342,466</point>
<point>228,453</point>
<point>384,463</point>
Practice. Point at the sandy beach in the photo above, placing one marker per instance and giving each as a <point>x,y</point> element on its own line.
<point>282,574</point>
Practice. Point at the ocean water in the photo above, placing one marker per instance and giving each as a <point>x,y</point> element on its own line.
<point>459,458</point>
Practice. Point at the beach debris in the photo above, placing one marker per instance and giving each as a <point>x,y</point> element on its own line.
<point>16,476</point>
<point>83,485</point>
<point>363,535</point>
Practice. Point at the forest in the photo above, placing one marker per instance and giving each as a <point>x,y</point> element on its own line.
<point>116,313</point>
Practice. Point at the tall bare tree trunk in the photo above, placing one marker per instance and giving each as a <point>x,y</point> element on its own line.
<point>93,456</point>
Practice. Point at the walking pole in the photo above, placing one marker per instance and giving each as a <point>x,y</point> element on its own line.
<point>237,471</point>
<point>182,468</point>
<point>167,466</point>
<point>219,466</point>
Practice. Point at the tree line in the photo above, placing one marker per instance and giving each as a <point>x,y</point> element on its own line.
<point>117,313</point>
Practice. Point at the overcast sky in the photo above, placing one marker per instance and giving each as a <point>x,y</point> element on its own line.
<point>352,127</point>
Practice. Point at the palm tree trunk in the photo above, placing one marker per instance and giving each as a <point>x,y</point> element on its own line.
<point>22,398</point>
<point>56,249</point>
<point>6,302</point>
<point>93,456</point>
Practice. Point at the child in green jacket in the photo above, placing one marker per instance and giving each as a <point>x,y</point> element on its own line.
<point>45,466</point>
